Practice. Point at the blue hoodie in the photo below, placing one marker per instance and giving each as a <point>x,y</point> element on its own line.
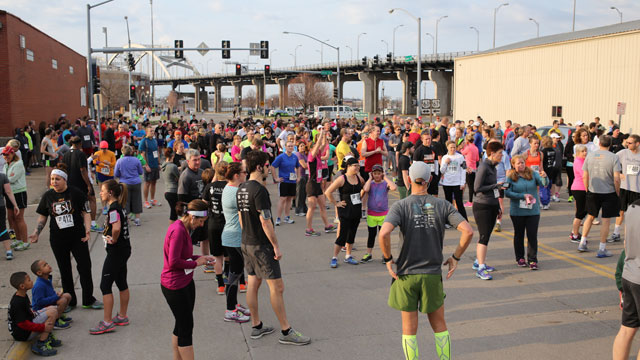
<point>43,294</point>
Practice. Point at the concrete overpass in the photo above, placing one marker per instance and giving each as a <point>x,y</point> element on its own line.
<point>436,68</point>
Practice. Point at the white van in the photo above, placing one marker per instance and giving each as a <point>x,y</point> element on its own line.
<point>332,112</point>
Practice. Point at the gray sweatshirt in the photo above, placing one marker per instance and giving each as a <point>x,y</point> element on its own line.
<point>486,183</point>
<point>170,175</point>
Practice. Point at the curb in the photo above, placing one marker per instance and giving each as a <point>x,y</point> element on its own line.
<point>19,350</point>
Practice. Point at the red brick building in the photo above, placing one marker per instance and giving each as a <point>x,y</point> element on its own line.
<point>40,78</point>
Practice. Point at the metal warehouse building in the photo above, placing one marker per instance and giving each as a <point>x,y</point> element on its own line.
<point>585,73</point>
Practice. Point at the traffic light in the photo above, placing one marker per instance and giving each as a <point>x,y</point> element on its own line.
<point>413,88</point>
<point>264,53</point>
<point>226,54</point>
<point>96,85</point>
<point>376,60</point>
<point>390,58</point>
<point>132,62</point>
<point>364,61</point>
<point>238,69</point>
<point>267,70</point>
<point>132,92</point>
<point>335,93</point>
<point>179,54</point>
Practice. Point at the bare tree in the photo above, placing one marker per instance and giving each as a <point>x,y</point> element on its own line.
<point>272,101</point>
<point>307,91</point>
<point>249,100</point>
<point>114,93</point>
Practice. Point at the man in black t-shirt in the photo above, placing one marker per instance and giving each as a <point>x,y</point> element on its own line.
<point>425,152</point>
<point>261,249</point>
<point>404,162</point>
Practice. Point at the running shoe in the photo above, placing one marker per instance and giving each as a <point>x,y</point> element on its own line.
<point>119,320</point>
<point>155,202</point>
<point>334,263</point>
<point>570,199</point>
<point>61,325</point>
<point>483,274</point>
<point>42,348</point>
<point>258,333</point>
<point>583,248</point>
<point>15,243</point>
<point>136,222</point>
<point>102,328</point>
<point>595,222</point>
<point>243,309</point>
<point>242,288</point>
<point>220,290</point>
<point>522,263</point>
<point>53,341</point>
<point>97,228</point>
<point>302,214</point>
<point>604,253</point>
<point>498,227</point>
<point>366,258</point>
<point>545,207</point>
<point>289,220</point>
<point>278,222</point>
<point>225,279</point>
<point>311,232</point>
<point>209,269</point>
<point>614,238</point>
<point>97,305</point>
<point>351,260</point>
<point>9,255</point>
<point>574,238</point>
<point>23,246</point>
<point>147,205</point>
<point>105,211</point>
<point>294,338</point>
<point>555,198</point>
<point>330,229</point>
<point>343,249</point>
<point>533,265</point>
<point>364,213</point>
<point>468,204</point>
<point>66,318</point>
<point>235,316</point>
<point>487,267</point>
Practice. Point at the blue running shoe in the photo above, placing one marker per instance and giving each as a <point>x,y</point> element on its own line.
<point>604,253</point>
<point>483,274</point>
<point>486,267</point>
<point>334,263</point>
<point>97,228</point>
<point>351,260</point>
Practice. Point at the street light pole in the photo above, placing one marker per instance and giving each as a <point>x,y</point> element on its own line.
<point>270,55</point>
<point>295,55</point>
<point>358,47</point>
<point>126,19</point>
<point>477,37</point>
<point>393,49</point>
<point>619,12</point>
<point>495,13</point>
<point>350,51</point>
<point>321,52</point>
<point>433,43</point>
<point>537,27</point>
<point>106,44</point>
<point>387,44</point>
<point>437,22</point>
<point>573,27</point>
<point>90,82</point>
<point>419,60</point>
<point>153,65</point>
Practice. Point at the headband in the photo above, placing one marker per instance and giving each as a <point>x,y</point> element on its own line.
<point>60,173</point>
<point>201,213</point>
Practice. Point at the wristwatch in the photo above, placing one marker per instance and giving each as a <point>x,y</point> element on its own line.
<point>455,257</point>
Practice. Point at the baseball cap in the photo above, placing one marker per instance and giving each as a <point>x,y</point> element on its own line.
<point>377,167</point>
<point>419,170</point>
<point>8,150</point>
<point>104,145</point>
<point>555,135</point>
<point>476,124</point>
<point>351,161</point>
<point>579,123</point>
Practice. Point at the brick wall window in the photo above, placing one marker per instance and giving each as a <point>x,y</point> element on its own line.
<point>54,63</point>
<point>23,42</point>
<point>70,69</point>
<point>29,55</point>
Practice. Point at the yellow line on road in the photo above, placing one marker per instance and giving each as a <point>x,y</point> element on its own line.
<point>19,351</point>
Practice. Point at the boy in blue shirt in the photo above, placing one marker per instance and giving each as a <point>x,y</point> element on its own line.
<point>44,294</point>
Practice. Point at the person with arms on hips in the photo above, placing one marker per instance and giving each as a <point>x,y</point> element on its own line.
<point>601,178</point>
<point>377,188</point>
<point>417,279</point>
<point>118,246</point>
<point>148,148</point>
<point>128,170</point>
<point>176,280</point>
<point>287,164</point>
<point>69,233</point>
<point>522,188</point>
<point>314,192</point>
<point>629,180</point>
<point>261,250</point>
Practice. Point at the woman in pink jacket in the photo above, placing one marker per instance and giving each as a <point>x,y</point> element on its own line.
<point>471,157</point>
<point>177,274</point>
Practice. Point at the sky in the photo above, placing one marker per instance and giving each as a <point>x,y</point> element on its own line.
<point>338,21</point>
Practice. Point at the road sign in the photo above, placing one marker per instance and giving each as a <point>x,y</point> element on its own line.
<point>261,103</point>
<point>408,58</point>
<point>361,115</point>
<point>435,103</point>
<point>426,111</point>
<point>255,46</point>
<point>622,108</point>
<point>426,103</point>
<point>435,111</point>
<point>203,46</point>
<point>326,72</point>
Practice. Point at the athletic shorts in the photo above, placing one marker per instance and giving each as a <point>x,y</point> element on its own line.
<point>287,189</point>
<point>373,221</point>
<point>259,261</point>
<point>39,317</point>
<point>313,189</point>
<point>152,175</point>
<point>609,203</point>
<point>325,174</point>
<point>421,292</point>
<point>215,240</point>
<point>631,304</point>
<point>102,178</point>
<point>21,200</point>
<point>51,163</point>
<point>627,198</point>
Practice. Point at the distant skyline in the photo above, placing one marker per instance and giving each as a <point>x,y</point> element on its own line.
<point>338,21</point>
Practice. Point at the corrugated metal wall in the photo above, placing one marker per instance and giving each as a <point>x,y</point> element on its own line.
<point>586,77</point>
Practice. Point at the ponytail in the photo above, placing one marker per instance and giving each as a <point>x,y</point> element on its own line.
<point>119,191</point>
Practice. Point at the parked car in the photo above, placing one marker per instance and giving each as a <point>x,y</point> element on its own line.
<point>277,111</point>
<point>333,112</point>
<point>566,132</point>
<point>387,112</point>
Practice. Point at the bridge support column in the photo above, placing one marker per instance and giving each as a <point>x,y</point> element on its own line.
<point>201,98</point>
<point>237,94</point>
<point>259,83</point>
<point>334,81</point>
<point>370,92</point>
<point>283,98</point>
<point>406,78</point>
<point>444,84</point>
<point>217,98</point>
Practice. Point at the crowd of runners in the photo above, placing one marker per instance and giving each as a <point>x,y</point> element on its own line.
<point>347,170</point>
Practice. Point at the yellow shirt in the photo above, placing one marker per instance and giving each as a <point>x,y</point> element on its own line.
<point>105,161</point>
<point>341,151</point>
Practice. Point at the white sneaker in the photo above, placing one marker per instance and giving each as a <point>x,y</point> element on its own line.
<point>235,316</point>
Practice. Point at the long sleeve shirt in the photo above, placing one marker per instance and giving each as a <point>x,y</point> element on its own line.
<point>128,170</point>
<point>486,186</point>
<point>517,190</point>
<point>520,146</point>
<point>453,173</point>
<point>179,260</point>
<point>43,294</point>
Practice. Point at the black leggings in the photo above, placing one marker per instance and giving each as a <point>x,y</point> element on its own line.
<point>62,250</point>
<point>114,270</point>
<point>301,196</point>
<point>347,232</point>
<point>471,178</point>
<point>485,216</point>
<point>373,232</point>
<point>181,303</point>
<point>530,224</point>
<point>236,269</point>
<point>172,198</point>
<point>454,191</point>
<point>570,177</point>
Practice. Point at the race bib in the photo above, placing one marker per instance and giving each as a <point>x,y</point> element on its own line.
<point>293,177</point>
<point>104,171</point>
<point>496,193</point>
<point>355,199</point>
<point>524,205</point>
<point>64,221</point>
<point>26,146</point>
<point>535,168</point>
<point>452,168</point>
<point>361,162</point>
<point>633,169</point>
<point>188,271</point>
<point>319,173</point>
<point>307,172</point>
<point>155,154</point>
<point>87,138</point>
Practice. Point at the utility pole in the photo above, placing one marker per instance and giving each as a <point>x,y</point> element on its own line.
<point>126,19</point>
<point>153,66</point>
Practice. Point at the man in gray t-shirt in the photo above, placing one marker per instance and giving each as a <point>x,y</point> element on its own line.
<point>601,177</point>
<point>417,280</point>
<point>629,180</point>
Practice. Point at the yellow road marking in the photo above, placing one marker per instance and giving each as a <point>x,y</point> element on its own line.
<point>19,351</point>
